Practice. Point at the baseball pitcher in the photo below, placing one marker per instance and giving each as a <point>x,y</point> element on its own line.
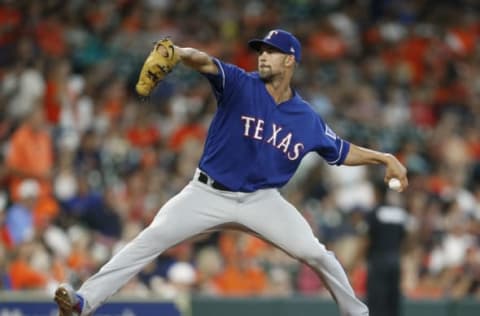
<point>261,130</point>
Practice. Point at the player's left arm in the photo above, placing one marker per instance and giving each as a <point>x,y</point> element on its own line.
<point>358,155</point>
<point>197,60</point>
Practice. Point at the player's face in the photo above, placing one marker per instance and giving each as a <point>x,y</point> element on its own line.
<point>271,62</point>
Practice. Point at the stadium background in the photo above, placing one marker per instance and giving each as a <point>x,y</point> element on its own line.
<point>398,76</point>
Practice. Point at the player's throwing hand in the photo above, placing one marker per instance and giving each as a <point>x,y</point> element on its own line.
<point>396,171</point>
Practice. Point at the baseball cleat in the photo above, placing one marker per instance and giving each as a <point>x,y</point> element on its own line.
<point>69,303</point>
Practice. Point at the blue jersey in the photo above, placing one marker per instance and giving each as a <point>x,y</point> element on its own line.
<point>252,142</point>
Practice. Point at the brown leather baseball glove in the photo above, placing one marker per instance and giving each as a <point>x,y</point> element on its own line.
<point>159,63</point>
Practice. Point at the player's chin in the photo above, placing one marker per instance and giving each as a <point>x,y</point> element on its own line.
<point>265,75</point>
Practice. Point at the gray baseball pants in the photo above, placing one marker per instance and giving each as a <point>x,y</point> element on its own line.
<point>199,208</point>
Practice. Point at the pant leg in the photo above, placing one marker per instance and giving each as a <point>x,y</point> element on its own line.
<point>394,290</point>
<point>195,209</point>
<point>383,286</point>
<point>271,216</point>
<point>378,289</point>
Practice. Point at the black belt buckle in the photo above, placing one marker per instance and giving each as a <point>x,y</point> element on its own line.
<point>202,177</point>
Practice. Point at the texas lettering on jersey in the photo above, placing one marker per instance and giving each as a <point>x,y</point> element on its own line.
<point>254,128</point>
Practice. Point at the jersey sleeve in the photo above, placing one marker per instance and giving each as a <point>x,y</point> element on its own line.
<point>329,146</point>
<point>224,82</point>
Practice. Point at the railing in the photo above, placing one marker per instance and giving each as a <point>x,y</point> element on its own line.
<point>33,304</point>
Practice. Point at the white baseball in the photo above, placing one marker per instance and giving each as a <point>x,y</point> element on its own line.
<point>394,184</point>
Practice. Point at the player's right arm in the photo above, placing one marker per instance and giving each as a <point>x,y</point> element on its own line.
<point>197,60</point>
<point>358,156</point>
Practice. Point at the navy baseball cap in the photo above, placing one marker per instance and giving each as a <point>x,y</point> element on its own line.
<point>282,40</point>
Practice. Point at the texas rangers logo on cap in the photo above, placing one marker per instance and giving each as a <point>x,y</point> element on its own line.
<point>282,40</point>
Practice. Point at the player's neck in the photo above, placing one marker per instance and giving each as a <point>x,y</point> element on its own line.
<point>279,90</point>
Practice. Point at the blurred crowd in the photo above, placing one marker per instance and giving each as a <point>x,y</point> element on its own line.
<point>86,163</point>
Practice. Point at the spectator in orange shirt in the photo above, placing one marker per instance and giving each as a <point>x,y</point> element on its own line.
<point>50,36</point>
<point>22,275</point>
<point>241,275</point>
<point>113,100</point>
<point>31,156</point>
<point>143,132</point>
<point>326,44</point>
<point>241,278</point>
<point>56,90</point>
<point>191,129</point>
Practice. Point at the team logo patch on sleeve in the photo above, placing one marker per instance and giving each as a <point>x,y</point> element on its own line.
<point>329,132</point>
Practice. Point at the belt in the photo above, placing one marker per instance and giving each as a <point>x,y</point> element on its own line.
<point>202,177</point>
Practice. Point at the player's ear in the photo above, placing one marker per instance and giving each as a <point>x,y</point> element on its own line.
<point>289,60</point>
